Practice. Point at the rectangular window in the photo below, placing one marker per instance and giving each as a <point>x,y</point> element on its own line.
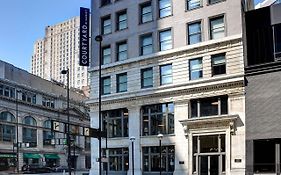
<point>106,25</point>
<point>193,4</point>
<point>146,44</point>
<point>165,40</point>
<point>194,33</point>
<point>106,85</point>
<point>121,20</point>
<point>217,29</point>
<point>166,74</point>
<point>165,8</point>
<point>118,160</point>
<point>122,51</point>
<point>218,64</point>
<point>151,159</point>
<point>158,118</point>
<point>104,2</point>
<point>146,78</point>
<point>146,12</point>
<point>195,69</point>
<point>122,82</point>
<point>211,106</point>
<point>106,55</point>
<point>115,122</point>
<point>277,41</point>
<point>214,1</point>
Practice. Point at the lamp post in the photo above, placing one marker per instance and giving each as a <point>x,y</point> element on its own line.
<point>98,38</point>
<point>132,139</point>
<point>160,137</point>
<point>17,113</point>
<point>68,121</point>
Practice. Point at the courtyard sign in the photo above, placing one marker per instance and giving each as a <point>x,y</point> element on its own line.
<point>84,37</point>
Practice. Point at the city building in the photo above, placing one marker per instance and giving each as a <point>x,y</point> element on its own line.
<point>28,103</point>
<point>58,50</point>
<point>170,67</point>
<point>263,98</point>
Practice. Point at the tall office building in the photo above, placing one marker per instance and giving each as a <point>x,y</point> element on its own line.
<point>172,73</point>
<point>59,50</point>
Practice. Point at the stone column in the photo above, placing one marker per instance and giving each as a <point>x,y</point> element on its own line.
<point>94,144</point>
<point>134,131</point>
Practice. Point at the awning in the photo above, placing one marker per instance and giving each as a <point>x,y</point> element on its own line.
<point>31,156</point>
<point>51,156</point>
<point>5,155</point>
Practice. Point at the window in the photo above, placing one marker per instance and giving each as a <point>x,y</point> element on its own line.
<point>115,122</point>
<point>217,27</point>
<point>218,64</point>
<point>48,102</point>
<point>104,2</point>
<point>146,78</point>
<point>166,74</point>
<point>158,118</point>
<point>122,82</point>
<point>106,25</point>
<point>7,91</point>
<point>165,40</point>
<point>277,41</point>
<point>121,20</point>
<point>208,106</point>
<point>7,131</point>
<point>118,160</point>
<point>195,69</point>
<point>28,97</point>
<point>194,32</point>
<point>151,159</point>
<point>146,44</point>
<point>208,154</point>
<point>146,12</point>
<point>122,51</point>
<point>106,85</point>
<point>214,1</point>
<point>106,55</point>
<point>165,8</point>
<point>193,4</point>
<point>87,142</point>
<point>48,135</point>
<point>29,133</point>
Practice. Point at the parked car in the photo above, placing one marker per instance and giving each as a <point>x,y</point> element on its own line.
<point>35,168</point>
<point>61,169</point>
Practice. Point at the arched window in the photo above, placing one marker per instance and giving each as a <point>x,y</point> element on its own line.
<point>29,131</point>
<point>7,128</point>
<point>48,135</point>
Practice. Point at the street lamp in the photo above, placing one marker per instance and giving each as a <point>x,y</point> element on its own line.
<point>66,71</point>
<point>98,38</point>
<point>132,139</point>
<point>160,137</point>
<point>17,113</point>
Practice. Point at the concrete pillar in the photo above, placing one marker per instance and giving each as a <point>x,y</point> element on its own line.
<point>134,130</point>
<point>94,144</point>
<point>40,139</point>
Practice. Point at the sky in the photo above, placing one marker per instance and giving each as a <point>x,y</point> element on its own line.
<point>22,22</point>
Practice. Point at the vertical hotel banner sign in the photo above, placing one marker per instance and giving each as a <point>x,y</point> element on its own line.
<point>84,37</point>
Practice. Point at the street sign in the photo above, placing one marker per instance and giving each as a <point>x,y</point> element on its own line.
<point>55,125</point>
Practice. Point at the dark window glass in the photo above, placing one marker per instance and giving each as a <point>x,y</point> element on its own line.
<point>194,33</point>
<point>277,40</point>
<point>264,156</point>
<point>122,82</point>
<point>215,1</point>
<point>146,78</point>
<point>118,160</point>
<point>106,85</point>
<point>104,2</point>
<point>166,74</point>
<point>194,108</point>
<point>193,4</point>
<point>195,69</point>
<point>209,107</point>
<point>121,20</point>
<point>106,25</point>
<point>218,64</point>
<point>146,44</point>
<point>146,12</point>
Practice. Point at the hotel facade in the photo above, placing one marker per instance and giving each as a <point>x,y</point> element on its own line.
<point>171,67</point>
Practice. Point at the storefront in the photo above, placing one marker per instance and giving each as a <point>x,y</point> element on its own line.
<point>52,160</point>
<point>7,161</point>
<point>31,158</point>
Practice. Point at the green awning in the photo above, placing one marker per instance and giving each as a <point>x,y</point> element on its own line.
<point>31,156</point>
<point>5,155</point>
<point>51,156</point>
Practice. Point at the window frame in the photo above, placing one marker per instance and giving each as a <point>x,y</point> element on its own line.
<point>163,41</point>
<point>104,3</point>
<point>141,7</point>
<point>118,83</point>
<point>165,75</point>
<point>190,68</point>
<point>213,64</point>
<point>189,9</point>
<point>142,46</point>
<point>159,9</point>
<point>118,50</point>
<point>193,34</point>
<point>143,78</point>
<point>210,26</point>
<point>105,56</point>
<point>216,2</point>
<point>103,19</point>
<point>118,14</point>
<point>103,85</point>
